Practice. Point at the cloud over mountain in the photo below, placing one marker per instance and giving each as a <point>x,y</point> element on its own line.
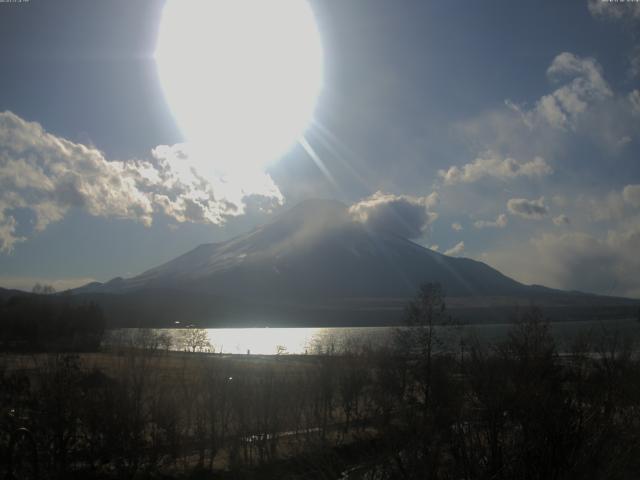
<point>404,215</point>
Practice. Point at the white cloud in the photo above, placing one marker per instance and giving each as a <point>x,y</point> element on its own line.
<point>456,226</point>
<point>619,10</point>
<point>499,222</point>
<point>456,250</point>
<point>8,236</point>
<point>634,101</point>
<point>432,199</point>
<point>405,215</point>
<point>631,195</point>
<point>609,207</point>
<point>564,106</point>
<point>580,110</point>
<point>561,219</point>
<point>492,165</point>
<point>174,179</point>
<point>533,209</point>
<point>435,247</point>
<point>48,175</point>
<point>612,206</point>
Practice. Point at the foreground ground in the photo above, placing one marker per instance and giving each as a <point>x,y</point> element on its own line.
<point>516,409</point>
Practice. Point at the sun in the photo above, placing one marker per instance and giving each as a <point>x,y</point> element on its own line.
<point>242,77</point>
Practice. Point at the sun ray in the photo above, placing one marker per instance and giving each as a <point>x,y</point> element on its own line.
<point>317,160</point>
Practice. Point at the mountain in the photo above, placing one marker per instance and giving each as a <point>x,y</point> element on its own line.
<point>314,251</point>
<point>313,261</point>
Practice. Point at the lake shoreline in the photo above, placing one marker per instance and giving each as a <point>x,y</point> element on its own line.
<point>278,341</point>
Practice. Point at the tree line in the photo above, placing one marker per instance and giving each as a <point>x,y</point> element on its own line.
<point>43,321</point>
<point>411,409</point>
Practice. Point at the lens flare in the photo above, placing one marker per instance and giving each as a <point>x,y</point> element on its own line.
<point>242,77</point>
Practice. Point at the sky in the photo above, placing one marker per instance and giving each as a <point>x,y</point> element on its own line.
<point>507,132</point>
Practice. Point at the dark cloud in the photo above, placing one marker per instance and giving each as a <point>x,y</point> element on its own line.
<point>534,209</point>
<point>403,215</point>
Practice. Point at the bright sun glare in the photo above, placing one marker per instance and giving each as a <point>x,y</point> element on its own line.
<point>242,77</point>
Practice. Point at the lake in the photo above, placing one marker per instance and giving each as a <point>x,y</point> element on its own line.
<point>274,341</point>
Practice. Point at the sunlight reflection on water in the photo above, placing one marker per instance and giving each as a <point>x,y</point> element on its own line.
<point>274,341</point>
<point>271,341</point>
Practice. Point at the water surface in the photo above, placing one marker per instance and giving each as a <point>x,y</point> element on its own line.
<point>281,341</point>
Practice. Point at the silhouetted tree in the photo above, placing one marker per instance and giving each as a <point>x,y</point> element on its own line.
<point>195,340</point>
<point>41,289</point>
<point>418,340</point>
<point>31,322</point>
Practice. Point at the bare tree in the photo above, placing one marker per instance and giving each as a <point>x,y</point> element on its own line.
<point>41,289</point>
<point>195,340</point>
<point>418,340</point>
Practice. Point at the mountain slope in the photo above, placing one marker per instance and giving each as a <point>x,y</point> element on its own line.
<point>315,251</point>
<point>313,265</point>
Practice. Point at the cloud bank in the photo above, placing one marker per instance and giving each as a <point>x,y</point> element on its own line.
<point>581,126</point>
<point>629,11</point>
<point>578,261</point>
<point>48,175</point>
<point>592,260</point>
<point>404,215</point>
<point>615,205</point>
<point>492,165</point>
<point>631,195</point>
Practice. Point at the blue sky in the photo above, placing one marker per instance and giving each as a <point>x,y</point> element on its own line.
<point>514,125</point>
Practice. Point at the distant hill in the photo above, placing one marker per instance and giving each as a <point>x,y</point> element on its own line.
<point>314,265</point>
<point>6,293</point>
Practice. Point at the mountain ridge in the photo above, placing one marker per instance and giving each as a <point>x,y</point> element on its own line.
<point>312,261</point>
<point>317,239</point>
